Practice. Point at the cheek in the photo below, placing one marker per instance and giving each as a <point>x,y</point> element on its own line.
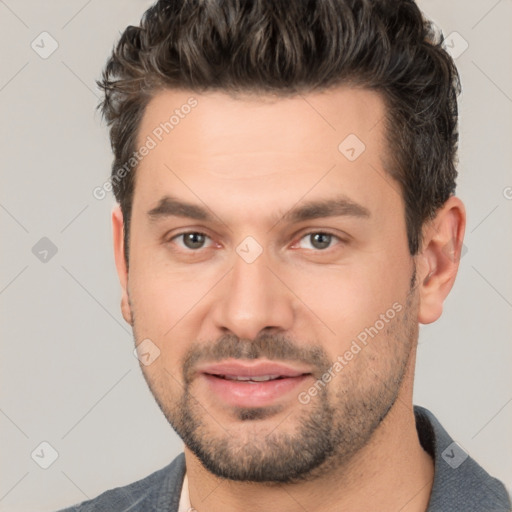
<point>350,298</point>
<point>160,301</point>
<point>169,303</point>
<point>161,308</point>
<point>158,293</point>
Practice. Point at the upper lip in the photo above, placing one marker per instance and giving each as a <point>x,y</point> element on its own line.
<point>251,369</point>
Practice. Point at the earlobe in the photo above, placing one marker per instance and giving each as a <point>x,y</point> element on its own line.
<point>122,271</point>
<point>438,261</point>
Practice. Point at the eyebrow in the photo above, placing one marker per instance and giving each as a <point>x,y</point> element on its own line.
<point>169,206</point>
<point>338,206</point>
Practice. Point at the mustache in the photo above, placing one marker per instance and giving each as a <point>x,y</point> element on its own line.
<point>273,347</point>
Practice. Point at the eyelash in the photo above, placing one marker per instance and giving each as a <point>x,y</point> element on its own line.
<point>309,233</point>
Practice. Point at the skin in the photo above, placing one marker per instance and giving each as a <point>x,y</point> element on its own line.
<point>248,160</point>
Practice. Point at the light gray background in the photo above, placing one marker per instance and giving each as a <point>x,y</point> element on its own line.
<point>69,376</point>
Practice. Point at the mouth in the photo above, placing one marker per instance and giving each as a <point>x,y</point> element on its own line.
<point>254,383</point>
<point>256,378</point>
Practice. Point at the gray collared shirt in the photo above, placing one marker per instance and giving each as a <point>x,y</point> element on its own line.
<point>460,484</point>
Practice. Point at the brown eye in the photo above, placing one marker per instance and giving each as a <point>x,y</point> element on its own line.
<point>320,240</point>
<point>192,240</point>
<point>317,240</point>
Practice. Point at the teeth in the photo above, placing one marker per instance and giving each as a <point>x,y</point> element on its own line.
<point>261,378</point>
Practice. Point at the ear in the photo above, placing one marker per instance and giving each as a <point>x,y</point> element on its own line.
<point>438,261</point>
<point>122,271</point>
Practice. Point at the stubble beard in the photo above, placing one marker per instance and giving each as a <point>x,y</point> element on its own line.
<point>313,439</point>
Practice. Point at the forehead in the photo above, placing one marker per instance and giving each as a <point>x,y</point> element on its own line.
<point>262,123</point>
<point>255,146</point>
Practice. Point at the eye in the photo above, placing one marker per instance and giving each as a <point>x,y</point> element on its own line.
<point>318,240</point>
<point>191,240</point>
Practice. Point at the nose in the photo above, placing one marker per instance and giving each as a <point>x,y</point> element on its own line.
<point>252,298</point>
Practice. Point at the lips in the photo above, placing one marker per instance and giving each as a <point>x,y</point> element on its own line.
<point>252,383</point>
<point>252,370</point>
<point>255,378</point>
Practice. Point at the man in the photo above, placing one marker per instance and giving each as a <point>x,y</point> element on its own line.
<point>285,173</point>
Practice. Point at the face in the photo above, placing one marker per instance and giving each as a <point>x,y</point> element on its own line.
<point>269,270</point>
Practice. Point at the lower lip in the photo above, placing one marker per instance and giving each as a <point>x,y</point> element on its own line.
<point>252,394</point>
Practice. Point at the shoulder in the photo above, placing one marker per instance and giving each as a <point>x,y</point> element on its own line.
<point>460,483</point>
<point>160,491</point>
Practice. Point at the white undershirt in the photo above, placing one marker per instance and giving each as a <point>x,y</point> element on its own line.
<point>185,505</point>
